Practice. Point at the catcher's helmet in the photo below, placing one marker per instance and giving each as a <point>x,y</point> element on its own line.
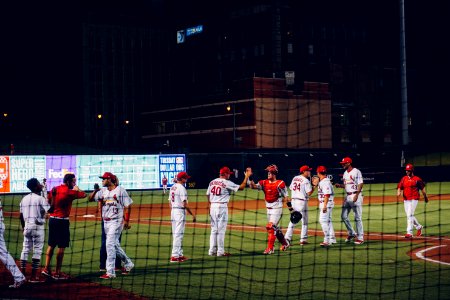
<point>296,216</point>
<point>272,169</point>
<point>409,167</point>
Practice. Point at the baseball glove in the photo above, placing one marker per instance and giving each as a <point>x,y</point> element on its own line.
<point>296,216</point>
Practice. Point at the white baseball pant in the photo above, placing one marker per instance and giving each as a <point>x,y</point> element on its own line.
<point>7,259</point>
<point>356,207</point>
<point>219,221</point>
<point>410,208</point>
<point>326,222</point>
<point>33,240</point>
<point>178,218</point>
<point>302,207</point>
<point>112,231</point>
<point>274,215</point>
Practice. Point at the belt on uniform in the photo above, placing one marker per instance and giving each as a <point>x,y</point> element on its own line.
<point>58,218</point>
<point>178,207</point>
<point>352,193</point>
<point>298,199</point>
<point>108,219</point>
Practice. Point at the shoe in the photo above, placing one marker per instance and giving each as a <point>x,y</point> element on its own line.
<point>284,247</point>
<point>60,276</point>
<point>269,251</point>
<point>107,276</point>
<point>174,259</point>
<point>212,254</point>
<point>358,242</point>
<point>46,273</point>
<point>127,270</point>
<point>408,236</point>
<point>324,244</point>
<point>419,232</point>
<point>350,238</point>
<point>224,254</point>
<point>182,258</point>
<point>333,242</point>
<point>302,243</point>
<point>17,284</point>
<point>35,279</point>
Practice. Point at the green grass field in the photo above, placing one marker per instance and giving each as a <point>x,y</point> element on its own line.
<point>377,269</point>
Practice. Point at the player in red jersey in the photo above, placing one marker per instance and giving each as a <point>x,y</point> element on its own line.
<point>275,192</point>
<point>411,185</point>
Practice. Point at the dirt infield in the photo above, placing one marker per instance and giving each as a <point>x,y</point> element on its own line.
<point>437,249</point>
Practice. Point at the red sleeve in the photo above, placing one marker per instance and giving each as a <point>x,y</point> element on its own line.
<point>76,194</point>
<point>420,183</point>
<point>282,185</point>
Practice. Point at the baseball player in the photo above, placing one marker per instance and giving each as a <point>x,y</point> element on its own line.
<point>44,192</point>
<point>6,258</point>
<point>164,184</point>
<point>301,189</point>
<point>61,198</point>
<point>275,192</point>
<point>411,184</point>
<point>218,194</point>
<point>33,208</point>
<point>178,200</point>
<point>115,205</point>
<point>353,184</point>
<point>325,195</point>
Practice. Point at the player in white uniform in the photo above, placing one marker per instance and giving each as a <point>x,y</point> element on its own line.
<point>44,192</point>
<point>301,189</point>
<point>218,194</point>
<point>33,208</point>
<point>178,200</point>
<point>6,258</point>
<point>116,208</point>
<point>325,195</point>
<point>353,184</point>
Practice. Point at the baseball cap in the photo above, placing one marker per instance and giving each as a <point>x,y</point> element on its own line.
<point>225,170</point>
<point>321,169</point>
<point>107,175</point>
<point>183,175</point>
<point>409,167</point>
<point>305,168</point>
<point>346,160</point>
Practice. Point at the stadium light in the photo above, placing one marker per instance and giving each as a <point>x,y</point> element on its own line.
<point>5,115</point>
<point>99,116</point>
<point>127,122</point>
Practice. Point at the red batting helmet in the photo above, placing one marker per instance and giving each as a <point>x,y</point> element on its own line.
<point>409,167</point>
<point>272,169</point>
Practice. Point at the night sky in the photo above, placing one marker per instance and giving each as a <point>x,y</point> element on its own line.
<point>41,70</point>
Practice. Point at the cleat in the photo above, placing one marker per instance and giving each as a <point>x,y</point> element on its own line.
<point>358,242</point>
<point>408,236</point>
<point>17,284</point>
<point>419,232</point>
<point>35,279</point>
<point>46,273</point>
<point>127,270</point>
<point>212,254</point>
<point>302,243</point>
<point>182,258</point>
<point>224,254</point>
<point>107,276</point>
<point>174,259</point>
<point>284,247</point>
<point>350,238</point>
<point>60,276</point>
<point>324,244</point>
<point>268,251</point>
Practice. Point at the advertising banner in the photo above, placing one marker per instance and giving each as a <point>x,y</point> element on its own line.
<point>23,168</point>
<point>57,167</point>
<point>170,166</point>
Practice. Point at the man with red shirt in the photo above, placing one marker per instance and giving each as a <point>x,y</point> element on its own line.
<point>61,198</point>
<point>411,185</point>
<point>275,192</point>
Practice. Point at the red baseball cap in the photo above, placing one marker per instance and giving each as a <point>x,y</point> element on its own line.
<point>321,169</point>
<point>107,175</point>
<point>183,175</point>
<point>409,167</point>
<point>305,168</point>
<point>225,170</point>
<point>346,160</point>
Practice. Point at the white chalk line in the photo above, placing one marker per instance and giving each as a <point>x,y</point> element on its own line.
<point>420,254</point>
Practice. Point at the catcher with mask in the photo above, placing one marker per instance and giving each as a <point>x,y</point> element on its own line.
<point>301,189</point>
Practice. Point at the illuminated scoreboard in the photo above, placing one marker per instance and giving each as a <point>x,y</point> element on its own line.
<point>133,171</point>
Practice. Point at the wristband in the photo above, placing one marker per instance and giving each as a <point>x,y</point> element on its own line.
<point>289,204</point>
<point>127,217</point>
